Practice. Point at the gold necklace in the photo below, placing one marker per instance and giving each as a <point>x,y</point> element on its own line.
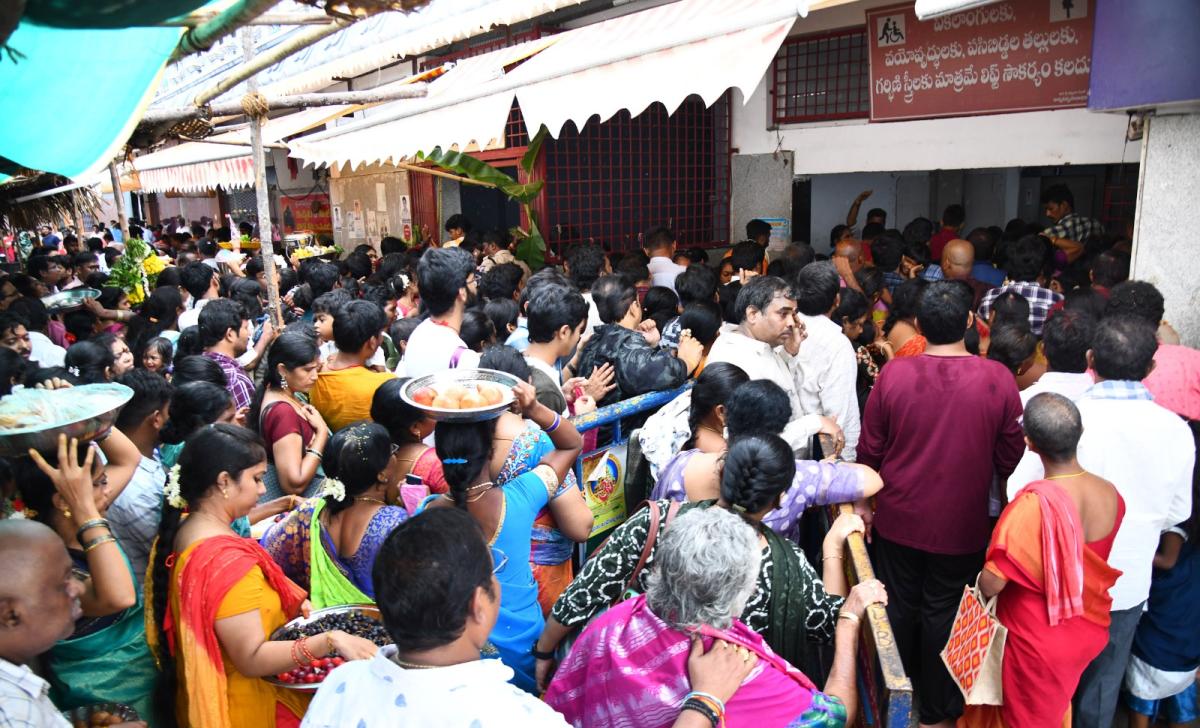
<point>412,665</point>
<point>482,493</point>
<point>713,430</point>
<point>368,499</point>
<point>1072,475</point>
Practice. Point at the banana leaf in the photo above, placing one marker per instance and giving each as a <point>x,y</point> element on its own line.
<point>531,249</point>
<point>472,168</point>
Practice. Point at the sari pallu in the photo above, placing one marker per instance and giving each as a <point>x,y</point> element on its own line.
<point>629,668</point>
<point>1055,606</point>
<point>213,568</point>
<point>112,665</point>
<point>329,586</point>
<point>550,553</point>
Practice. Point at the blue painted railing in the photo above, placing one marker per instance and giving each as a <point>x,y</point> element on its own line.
<point>884,689</point>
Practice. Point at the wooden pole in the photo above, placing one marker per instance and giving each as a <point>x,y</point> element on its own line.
<point>77,213</point>
<point>118,198</point>
<point>266,245</point>
<point>295,101</point>
<point>258,63</point>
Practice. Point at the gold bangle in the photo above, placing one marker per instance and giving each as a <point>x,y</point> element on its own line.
<point>850,617</point>
<point>98,542</point>
<point>832,556</point>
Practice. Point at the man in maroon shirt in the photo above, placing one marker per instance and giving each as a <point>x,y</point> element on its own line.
<point>953,218</point>
<point>937,427</point>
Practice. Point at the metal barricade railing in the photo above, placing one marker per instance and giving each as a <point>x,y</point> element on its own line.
<point>885,692</point>
<point>884,688</point>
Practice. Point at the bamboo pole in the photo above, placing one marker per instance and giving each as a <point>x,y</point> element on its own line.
<point>228,143</point>
<point>439,173</point>
<point>266,245</point>
<point>118,198</point>
<point>206,35</point>
<point>197,19</point>
<point>258,63</point>
<point>294,101</point>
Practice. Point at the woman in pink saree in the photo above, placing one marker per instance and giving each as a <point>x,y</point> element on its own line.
<point>629,666</point>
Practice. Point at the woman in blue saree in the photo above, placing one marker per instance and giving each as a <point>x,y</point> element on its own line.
<point>506,514</point>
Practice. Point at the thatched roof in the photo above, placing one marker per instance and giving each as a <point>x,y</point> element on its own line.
<point>59,206</point>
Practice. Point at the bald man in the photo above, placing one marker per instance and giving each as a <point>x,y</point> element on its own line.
<point>39,603</point>
<point>958,258</point>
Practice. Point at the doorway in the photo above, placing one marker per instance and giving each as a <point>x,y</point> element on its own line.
<point>488,208</point>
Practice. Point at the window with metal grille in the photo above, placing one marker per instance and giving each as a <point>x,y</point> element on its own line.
<point>821,77</point>
<point>613,181</point>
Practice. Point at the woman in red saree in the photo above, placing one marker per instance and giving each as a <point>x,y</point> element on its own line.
<point>1048,563</point>
<point>217,597</point>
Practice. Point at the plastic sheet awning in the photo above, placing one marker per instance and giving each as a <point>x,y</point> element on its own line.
<point>663,54</point>
<point>72,96</point>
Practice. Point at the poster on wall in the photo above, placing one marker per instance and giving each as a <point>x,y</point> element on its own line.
<point>307,212</point>
<point>385,224</point>
<point>1018,55</point>
<point>357,223</point>
<point>337,217</point>
<point>372,226</point>
<point>380,196</point>
<point>406,212</point>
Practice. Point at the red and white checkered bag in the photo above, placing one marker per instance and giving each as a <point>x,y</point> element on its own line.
<point>975,650</point>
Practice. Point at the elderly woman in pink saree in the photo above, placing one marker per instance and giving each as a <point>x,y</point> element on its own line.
<point>629,666</point>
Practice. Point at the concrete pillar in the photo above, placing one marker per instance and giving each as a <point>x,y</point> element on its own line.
<point>1166,249</point>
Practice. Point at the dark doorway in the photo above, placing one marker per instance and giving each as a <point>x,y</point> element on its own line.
<point>488,208</point>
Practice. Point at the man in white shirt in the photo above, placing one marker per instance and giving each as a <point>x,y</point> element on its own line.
<point>447,282</point>
<point>440,587</point>
<point>1147,452</point>
<point>764,344</point>
<point>203,284</point>
<point>828,366</point>
<point>39,597</point>
<point>33,314</point>
<point>1066,337</point>
<point>659,244</point>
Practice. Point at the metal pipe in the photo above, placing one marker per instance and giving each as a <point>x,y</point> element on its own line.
<point>229,143</point>
<point>297,101</point>
<point>266,246</point>
<point>263,61</point>
<point>773,13</point>
<point>205,36</point>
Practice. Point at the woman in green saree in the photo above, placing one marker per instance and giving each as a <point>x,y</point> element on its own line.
<point>106,659</point>
<point>328,544</point>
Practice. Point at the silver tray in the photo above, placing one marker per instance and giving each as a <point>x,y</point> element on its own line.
<point>370,610</point>
<point>77,716</point>
<point>68,300</point>
<point>467,378</point>
<point>90,409</point>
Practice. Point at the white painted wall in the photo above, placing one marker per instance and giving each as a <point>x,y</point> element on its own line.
<point>1070,136</point>
<point>1164,249</point>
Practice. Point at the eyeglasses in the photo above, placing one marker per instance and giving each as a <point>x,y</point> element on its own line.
<point>499,560</point>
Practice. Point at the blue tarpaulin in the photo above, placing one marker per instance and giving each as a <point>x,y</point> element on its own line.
<point>74,98</point>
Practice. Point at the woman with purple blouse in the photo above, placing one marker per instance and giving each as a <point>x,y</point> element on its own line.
<point>752,408</point>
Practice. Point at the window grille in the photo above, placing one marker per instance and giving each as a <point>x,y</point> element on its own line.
<point>821,77</point>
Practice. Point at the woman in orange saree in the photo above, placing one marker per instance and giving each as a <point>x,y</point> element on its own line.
<point>1047,562</point>
<point>217,597</point>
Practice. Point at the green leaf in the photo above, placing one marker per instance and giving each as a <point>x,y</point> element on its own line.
<point>535,146</point>
<point>472,168</point>
<point>532,247</point>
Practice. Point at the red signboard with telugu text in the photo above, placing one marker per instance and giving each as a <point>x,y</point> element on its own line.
<point>1017,55</point>
<point>306,212</point>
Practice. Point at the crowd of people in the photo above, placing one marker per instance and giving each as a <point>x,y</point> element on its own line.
<point>1000,408</point>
